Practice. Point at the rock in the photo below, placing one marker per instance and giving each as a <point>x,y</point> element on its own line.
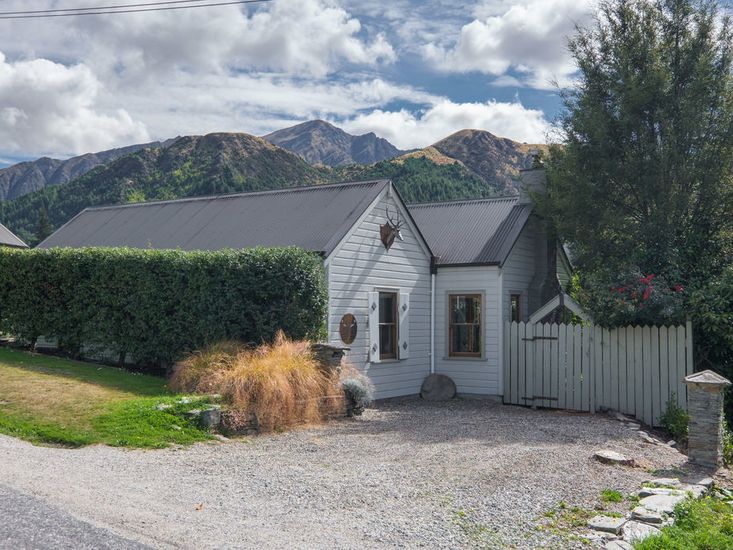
<point>706,482</point>
<point>662,504</point>
<point>607,524</point>
<point>643,515</point>
<point>671,443</point>
<point>612,457</point>
<point>618,545</point>
<point>620,417</point>
<point>649,439</point>
<point>438,387</point>
<point>176,427</point>
<point>650,491</point>
<point>633,426</point>
<point>635,531</point>
<point>163,406</point>
<point>222,438</point>
<point>210,417</point>
<point>185,400</point>
<point>663,482</point>
<point>696,490</point>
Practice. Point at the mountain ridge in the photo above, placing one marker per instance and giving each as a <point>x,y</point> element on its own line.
<point>320,142</point>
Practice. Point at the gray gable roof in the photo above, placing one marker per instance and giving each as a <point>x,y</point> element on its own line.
<point>471,232</point>
<point>8,238</point>
<point>314,218</point>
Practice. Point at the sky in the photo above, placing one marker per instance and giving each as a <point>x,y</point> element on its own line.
<point>410,71</point>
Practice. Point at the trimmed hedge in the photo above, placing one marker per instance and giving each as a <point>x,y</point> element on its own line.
<point>158,305</point>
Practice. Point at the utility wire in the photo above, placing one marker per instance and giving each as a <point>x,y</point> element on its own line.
<point>26,12</point>
<point>135,10</point>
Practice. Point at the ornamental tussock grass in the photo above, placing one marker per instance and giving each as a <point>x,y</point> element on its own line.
<point>279,384</point>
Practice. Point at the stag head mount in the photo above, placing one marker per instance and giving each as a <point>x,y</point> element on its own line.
<point>391,230</point>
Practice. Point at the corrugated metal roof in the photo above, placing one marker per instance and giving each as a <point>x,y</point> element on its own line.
<point>8,238</point>
<point>314,218</point>
<point>480,231</point>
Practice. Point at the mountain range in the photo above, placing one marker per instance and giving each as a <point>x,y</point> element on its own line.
<point>467,164</point>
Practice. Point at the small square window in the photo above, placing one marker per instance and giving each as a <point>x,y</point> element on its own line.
<point>515,307</point>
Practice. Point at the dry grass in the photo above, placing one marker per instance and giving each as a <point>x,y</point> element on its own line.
<point>280,384</point>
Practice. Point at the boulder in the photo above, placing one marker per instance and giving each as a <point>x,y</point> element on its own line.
<point>607,524</point>
<point>618,545</point>
<point>635,531</point>
<point>663,482</point>
<point>662,504</point>
<point>612,457</point>
<point>706,482</point>
<point>650,491</point>
<point>643,515</point>
<point>438,387</point>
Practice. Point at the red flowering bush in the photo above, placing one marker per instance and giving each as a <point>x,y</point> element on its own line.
<point>634,298</point>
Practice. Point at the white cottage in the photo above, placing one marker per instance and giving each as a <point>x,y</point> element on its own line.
<point>412,290</point>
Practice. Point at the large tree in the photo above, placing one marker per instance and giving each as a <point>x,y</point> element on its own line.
<point>641,179</point>
<point>643,176</point>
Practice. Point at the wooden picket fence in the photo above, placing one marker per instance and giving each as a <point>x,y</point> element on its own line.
<point>634,370</point>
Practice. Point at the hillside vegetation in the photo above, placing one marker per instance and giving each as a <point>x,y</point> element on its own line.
<point>226,163</point>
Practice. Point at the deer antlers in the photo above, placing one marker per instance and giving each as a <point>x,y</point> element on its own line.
<point>397,225</point>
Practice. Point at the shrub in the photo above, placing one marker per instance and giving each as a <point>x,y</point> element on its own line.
<point>158,305</point>
<point>675,420</point>
<point>358,390</point>
<point>727,445</point>
<point>703,524</point>
<point>280,384</point>
<point>611,495</point>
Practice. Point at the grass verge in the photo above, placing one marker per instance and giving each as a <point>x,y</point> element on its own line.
<point>704,524</point>
<point>49,400</point>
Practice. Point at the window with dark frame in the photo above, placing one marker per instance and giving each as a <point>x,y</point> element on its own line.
<point>388,325</point>
<point>464,325</point>
<point>515,307</point>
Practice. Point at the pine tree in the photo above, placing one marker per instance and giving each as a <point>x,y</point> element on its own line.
<point>43,227</point>
<point>642,178</point>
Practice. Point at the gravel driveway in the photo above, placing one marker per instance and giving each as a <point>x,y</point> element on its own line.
<point>467,473</point>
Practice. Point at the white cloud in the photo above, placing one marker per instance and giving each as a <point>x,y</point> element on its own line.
<point>48,107</point>
<point>307,37</point>
<point>528,37</point>
<point>408,130</point>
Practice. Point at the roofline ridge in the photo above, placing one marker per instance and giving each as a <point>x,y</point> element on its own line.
<point>466,201</point>
<point>297,188</point>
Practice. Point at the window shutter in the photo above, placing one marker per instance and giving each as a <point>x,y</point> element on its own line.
<point>374,327</point>
<point>404,326</point>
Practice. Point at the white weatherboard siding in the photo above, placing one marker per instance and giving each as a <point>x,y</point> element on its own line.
<point>523,270</point>
<point>472,376</point>
<point>361,265</point>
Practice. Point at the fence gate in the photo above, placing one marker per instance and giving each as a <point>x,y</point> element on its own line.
<point>584,367</point>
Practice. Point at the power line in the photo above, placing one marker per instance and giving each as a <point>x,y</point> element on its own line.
<point>27,12</point>
<point>31,15</point>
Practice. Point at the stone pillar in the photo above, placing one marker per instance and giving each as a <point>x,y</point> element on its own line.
<point>329,356</point>
<point>705,407</point>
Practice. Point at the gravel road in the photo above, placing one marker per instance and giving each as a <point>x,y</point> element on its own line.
<point>467,473</point>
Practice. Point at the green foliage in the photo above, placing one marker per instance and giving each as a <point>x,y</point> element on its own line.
<point>359,393</point>
<point>219,164</point>
<point>727,445</point>
<point>705,524</point>
<point>632,298</point>
<point>43,227</point>
<point>611,495</point>
<point>643,176</point>
<point>641,183</point>
<point>418,179</point>
<point>155,305</point>
<point>675,420</point>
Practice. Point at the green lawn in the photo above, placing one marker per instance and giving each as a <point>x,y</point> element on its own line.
<point>49,400</point>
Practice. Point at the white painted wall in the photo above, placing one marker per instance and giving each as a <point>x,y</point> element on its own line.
<point>472,376</point>
<point>519,271</point>
<point>361,265</point>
